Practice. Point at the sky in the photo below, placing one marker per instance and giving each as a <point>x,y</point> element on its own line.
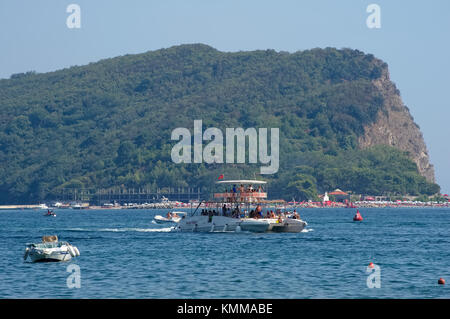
<point>413,40</point>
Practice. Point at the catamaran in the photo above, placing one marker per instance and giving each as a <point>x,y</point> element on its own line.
<point>239,207</point>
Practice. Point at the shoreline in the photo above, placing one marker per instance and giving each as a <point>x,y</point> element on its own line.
<point>356,205</point>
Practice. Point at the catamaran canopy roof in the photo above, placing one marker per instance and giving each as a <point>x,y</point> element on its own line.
<point>242,181</point>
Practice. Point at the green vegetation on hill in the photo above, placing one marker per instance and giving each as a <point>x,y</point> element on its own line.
<point>109,123</point>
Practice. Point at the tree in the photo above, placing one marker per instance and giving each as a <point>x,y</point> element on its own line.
<point>302,187</point>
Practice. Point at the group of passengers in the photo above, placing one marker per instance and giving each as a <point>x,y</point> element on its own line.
<point>226,211</point>
<point>172,215</point>
<point>256,213</point>
<point>242,189</point>
<point>277,214</point>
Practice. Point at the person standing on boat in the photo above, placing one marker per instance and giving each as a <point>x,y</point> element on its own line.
<point>258,211</point>
<point>210,215</point>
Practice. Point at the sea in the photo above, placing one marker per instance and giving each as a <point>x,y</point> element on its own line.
<point>125,255</point>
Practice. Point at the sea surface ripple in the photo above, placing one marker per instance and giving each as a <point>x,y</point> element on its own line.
<point>125,255</point>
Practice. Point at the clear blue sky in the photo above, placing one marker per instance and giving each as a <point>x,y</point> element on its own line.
<point>413,40</point>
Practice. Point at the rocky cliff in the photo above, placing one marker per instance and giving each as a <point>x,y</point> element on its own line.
<point>396,127</point>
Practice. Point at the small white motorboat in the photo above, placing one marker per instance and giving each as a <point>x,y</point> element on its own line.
<point>287,225</point>
<point>172,217</point>
<point>50,250</point>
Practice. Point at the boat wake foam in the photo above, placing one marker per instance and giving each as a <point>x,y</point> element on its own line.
<point>141,230</point>
<point>116,230</point>
<point>307,230</point>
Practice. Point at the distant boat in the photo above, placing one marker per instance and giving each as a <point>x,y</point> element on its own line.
<point>50,213</point>
<point>78,206</point>
<point>57,205</point>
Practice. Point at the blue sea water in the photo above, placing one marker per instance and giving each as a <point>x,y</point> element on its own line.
<point>124,255</point>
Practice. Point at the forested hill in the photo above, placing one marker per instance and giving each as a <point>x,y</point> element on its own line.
<point>109,123</point>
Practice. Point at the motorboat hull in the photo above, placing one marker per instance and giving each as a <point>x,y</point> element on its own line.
<point>54,256</point>
<point>163,220</point>
<point>288,225</point>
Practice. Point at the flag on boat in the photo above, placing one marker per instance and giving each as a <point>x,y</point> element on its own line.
<point>221,176</point>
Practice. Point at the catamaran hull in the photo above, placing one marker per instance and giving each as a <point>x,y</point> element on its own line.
<point>255,225</point>
<point>208,224</point>
<point>227,224</point>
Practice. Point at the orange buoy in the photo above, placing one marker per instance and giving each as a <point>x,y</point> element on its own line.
<point>371,265</point>
<point>441,281</point>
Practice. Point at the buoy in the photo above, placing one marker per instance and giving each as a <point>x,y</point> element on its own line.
<point>238,229</point>
<point>441,281</point>
<point>371,265</point>
<point>358,217</point>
